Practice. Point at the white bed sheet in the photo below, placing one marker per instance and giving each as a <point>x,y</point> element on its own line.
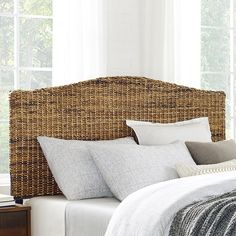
<point>48,214</point>
<point>90,217</point>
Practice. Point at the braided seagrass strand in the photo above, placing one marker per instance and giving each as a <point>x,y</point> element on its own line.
<point>95,110</point>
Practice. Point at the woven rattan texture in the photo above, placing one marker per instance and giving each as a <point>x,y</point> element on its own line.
<point>93,110</point>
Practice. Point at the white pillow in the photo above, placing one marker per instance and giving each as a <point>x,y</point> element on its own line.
<point>127,168</point>
<point>73,168</point>
<point>185,170</point>
<point>149,133</point>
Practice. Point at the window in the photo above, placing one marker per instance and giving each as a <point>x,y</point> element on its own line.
<point>218,40</point>
<point>25,56</point>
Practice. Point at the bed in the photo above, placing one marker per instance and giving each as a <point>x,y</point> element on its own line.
<point>91,110</point>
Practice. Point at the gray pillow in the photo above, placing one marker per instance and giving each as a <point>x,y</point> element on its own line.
<point>127,168</point>
<point>73,168</point>
<point>212,153</point>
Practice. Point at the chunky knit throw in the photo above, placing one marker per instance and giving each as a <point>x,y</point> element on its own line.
<point>214,216</point>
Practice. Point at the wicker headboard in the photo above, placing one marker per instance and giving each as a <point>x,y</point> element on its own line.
<point>93,110</point>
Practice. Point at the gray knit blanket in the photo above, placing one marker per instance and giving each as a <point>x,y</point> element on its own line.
<point>214,216</point>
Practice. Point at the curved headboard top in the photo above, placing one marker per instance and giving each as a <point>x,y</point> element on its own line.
<point>95,110</point>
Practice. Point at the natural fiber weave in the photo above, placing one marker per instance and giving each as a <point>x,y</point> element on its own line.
<point>93,110</point>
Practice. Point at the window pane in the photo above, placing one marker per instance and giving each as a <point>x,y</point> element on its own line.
<point>220,82</point>
<point>6,41</point>
<point>36,7</point>
<point>6,6</point>
<point>215,50</point>
<point>35,42</point>
<point>4,105</point>
<point>6,79</point>
<point>35,79</point>
<point>215,12</point>
<point>4,147</point>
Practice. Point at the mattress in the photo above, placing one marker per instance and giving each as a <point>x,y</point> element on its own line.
<point>56,216</point>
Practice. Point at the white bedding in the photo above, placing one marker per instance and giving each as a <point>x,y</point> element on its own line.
<point>50,216</point>
<point>149,211</point>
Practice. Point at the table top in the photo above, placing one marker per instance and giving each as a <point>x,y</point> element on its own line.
<point>15,208</point>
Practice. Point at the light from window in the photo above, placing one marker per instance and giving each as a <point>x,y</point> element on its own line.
<point>217,52</point>
<point>25,56</point>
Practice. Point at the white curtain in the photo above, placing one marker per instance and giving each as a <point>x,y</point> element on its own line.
<point>172,41</point>
<point>187,30</point>
<point>78,42</point>
<point>159,39</point>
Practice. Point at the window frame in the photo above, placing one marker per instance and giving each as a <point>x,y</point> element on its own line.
<point>16,15</point>
<point>16,68</point>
